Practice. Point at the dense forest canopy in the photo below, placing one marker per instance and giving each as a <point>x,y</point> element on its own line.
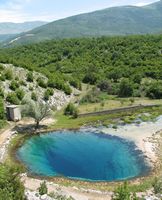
<point>111,63</point>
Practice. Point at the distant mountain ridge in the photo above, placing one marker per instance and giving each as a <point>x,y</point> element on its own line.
<point>16,28</point>
<point>10,30</point>
<point>124,20</point>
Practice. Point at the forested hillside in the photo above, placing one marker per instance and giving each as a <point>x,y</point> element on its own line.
<point>124,66</point>
<point>124,20</point>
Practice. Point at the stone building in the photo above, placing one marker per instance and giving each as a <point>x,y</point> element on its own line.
<point>13,113</point>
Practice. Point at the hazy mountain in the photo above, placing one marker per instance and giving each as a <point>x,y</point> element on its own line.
<point>15,28</point>
<point>9,30</point>
<point>111,21</point>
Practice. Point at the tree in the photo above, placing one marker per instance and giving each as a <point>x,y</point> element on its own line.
<point>155,90</point>
<point>125,88</point>
<point>105,86</point>
<point>43,188</point>
<point>122,193</point>
<point>36,110</point>
<point>10,186</point>
<point>71,110</point>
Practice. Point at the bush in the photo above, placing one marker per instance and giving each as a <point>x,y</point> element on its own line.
<point>12,98</point>
<point>157,185</point>
<point>10,186</point>
<point>1,67</point>
<point>71,110</point>
<point>92,96</point>
<point>30,77</point>
<point>8,74</point>
<point>122,193</point>
<point>105,86</point>
<point>34,96</point>
<point>49,92</point>
<point>2,111</point>
<point>90,78</point>
<point>43,188</point>
<point>125,88</point>
<point>67,89</point>
<point>41,83</point>
<point>76,84</point>
<point>21,82</point>
<point>155,90</point>
<point>1,92</point>
<point>20,94</point>
<point>14,85</point>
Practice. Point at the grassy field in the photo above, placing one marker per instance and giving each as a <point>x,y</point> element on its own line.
<point>115,103</point>
<point>66,122</point>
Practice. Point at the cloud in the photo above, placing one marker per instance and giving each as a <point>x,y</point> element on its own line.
<point>140,4</point>
<point>13,10</point>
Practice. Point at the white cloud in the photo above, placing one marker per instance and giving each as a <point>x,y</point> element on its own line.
<point>13,10</point>
<point>140,4</point>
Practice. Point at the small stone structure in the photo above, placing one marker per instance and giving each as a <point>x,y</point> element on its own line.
<point>13,113</point>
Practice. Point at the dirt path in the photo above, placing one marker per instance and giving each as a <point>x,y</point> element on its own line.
<point>78,194</point>
<point>5,135</point>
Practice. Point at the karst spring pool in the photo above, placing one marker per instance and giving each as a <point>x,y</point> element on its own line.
<point>82,155</point>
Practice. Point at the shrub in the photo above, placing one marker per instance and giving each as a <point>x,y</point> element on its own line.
<point>43,188</point>
<point>105,86</point>
<point>125,88</point>
<point>157,185</point>
<point>1,92</point>
<point>14,85</point>
<point>20,94</point>
<point>67,89</point>
<point>30,77</point>
<point>41,83</point>
<point>155,90</point>
<point>2,111</point>
<point>11,187</point>
<point>122,193</point>
<point>30,88</point>
<point>1,67</point>
<point>75,83</point>
<point>12,98</point>
<point>71,110</point>
<point>21,82</point>
<point>8,74</point>
<point>34,96</point>
<point>90,78</point>
<point>2,77</point>
<point>49,92</point>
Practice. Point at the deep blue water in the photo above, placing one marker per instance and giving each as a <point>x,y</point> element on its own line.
<point>82,155</point>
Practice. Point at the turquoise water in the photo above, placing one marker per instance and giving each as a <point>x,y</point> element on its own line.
<point>82,155</point>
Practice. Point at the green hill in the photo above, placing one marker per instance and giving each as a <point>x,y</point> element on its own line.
<point>103,62</point>
<point>123,20</point>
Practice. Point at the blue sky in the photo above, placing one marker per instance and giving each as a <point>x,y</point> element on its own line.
<point>50,10</point>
